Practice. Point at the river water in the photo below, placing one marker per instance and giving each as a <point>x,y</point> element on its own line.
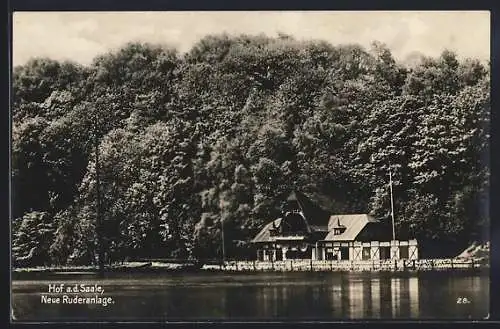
<point>257,296</point>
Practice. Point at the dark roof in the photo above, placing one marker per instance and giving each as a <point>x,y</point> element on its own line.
<point>316,217</point>
<point>265,235</point>
<point>292,197</point>
<point>314,214</point>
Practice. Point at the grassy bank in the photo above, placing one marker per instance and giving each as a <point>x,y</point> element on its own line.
<point>120,267</point>
<point>450,264</point>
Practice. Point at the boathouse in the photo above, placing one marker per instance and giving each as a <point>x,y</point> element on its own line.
<point>306,231</point>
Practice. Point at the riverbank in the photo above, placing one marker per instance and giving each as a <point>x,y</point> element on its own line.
<point>346,265</point>
<point>451,264</point>
<point>129,267</point>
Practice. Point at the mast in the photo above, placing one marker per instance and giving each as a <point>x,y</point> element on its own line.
<point>392,205</point>
<point>222,237</point>
<point>98,205</point>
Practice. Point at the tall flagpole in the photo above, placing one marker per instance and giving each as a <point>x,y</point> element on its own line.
<point>222,236</point>
<point>98,205</point>
<point>222,207</point>
<point>392,205</point>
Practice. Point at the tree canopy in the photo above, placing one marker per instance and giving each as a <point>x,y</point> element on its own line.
<point>217,137</point>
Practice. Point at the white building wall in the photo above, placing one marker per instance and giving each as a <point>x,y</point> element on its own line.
<point>375,251</point>
<point>395,249</point>
<point>413,250</point>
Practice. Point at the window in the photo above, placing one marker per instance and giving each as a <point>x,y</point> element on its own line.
<point>403,252</point>
<point>366,253</point>
<point>291,254</point>
<point>385,252</point>
<point>338,231</point>
<point>344,253</point>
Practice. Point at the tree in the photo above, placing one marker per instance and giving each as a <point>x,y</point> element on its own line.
<point>32,239</point>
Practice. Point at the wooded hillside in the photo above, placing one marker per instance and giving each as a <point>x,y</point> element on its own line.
<point>227,130</point>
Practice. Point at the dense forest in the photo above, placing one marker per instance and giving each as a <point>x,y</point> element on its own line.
<point>221,134</point>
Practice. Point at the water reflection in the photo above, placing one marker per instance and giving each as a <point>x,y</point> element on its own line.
<point>375,296</point>
<point>395,297</point>
<point>414,302</point>
<point>322,296</point>
<point>362,297</point>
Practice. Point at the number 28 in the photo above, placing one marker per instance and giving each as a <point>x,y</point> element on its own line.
<point>463,300</point>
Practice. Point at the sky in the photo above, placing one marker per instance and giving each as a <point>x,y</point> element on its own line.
<point>80,36</point>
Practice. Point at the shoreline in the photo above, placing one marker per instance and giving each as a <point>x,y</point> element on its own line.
<point>421,265</point>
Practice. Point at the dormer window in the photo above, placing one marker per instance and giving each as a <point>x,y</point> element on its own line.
<point>338,228</point>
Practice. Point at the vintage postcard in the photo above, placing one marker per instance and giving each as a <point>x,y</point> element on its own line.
<point>250,166</point>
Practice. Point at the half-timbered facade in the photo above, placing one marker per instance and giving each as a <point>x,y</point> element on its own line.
<point>306,231</point>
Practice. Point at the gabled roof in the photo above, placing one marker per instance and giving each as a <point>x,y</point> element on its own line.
<point>354,224</point>
<point>315,215</point>
<point>337,224</point>
<point>319,228</point>
<point>265,235</point>
<point>320,222</point>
